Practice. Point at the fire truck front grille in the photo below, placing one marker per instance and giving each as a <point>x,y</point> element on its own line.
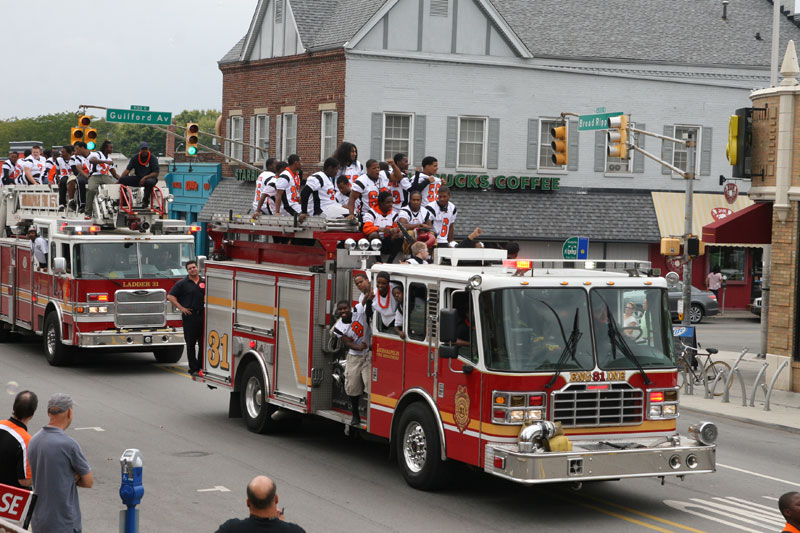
<point>590,405</point>
<point>144,308</point>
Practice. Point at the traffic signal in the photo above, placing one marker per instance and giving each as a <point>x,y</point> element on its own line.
<point>559,144</point>
<point>84,121</point>
<point>740,142</point>
<point>695,247</point>
<point>192,138</point>
<point>91,138</point>
<point>618,137</point>
<point>75,135</point>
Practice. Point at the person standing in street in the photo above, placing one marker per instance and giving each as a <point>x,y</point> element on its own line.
<point>59,468</point>
<point>188,295</point>
<point>15,468</point>
<point>789,506</point>
<point>714,281</point>
<point>145,172</point>
<point>262,500</point>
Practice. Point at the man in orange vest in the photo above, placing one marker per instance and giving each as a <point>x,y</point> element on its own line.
<point>15,468</point>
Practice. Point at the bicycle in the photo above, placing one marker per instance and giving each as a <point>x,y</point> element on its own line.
<point>711,369</point>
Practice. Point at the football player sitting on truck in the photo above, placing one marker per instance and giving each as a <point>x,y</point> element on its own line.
<point>353,328</point>
<point>381,223</point>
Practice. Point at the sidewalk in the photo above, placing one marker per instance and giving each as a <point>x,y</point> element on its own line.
<point>784,410</point>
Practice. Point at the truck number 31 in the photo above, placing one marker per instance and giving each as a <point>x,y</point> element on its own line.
<point>217,353</point>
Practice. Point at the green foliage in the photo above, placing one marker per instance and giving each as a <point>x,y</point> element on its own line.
<point>54,129</point>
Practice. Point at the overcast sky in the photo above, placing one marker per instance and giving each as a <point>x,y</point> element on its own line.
<point>58,54</point>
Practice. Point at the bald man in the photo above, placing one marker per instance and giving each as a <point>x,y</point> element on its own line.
<point>262,500</point>
<point>789,505</point>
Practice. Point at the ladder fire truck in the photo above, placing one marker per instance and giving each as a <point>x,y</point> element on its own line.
<point>106,279</point>
<point>553,384</point>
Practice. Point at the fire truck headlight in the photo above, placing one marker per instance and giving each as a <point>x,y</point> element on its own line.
<point>518,415</point>
<point>376,244</point>
<point>350,245</point>
<point>533,414</point>
<point>655,411</point>
<point>363,245</point>
<point>475,281</point>
<point>670,410</point>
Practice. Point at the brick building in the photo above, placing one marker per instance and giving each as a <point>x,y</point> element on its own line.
<point>478,83</point>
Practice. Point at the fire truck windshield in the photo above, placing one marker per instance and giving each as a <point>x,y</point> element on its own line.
<point>636,319</point>
<point>131,260</point>
<point>526,330</point>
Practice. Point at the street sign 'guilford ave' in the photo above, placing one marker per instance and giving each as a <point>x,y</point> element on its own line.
<point>138,117</point>
<point>595,122</point>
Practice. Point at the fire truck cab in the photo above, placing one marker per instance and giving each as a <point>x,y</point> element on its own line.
<point>534,371</point>
<point>105,281</point>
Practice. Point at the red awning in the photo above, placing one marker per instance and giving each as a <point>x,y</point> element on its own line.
<point>751,225</point>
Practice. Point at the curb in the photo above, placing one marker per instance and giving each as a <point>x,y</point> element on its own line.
<point>753,421</point>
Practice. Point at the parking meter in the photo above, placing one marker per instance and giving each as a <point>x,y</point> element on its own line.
<point>131,489</point>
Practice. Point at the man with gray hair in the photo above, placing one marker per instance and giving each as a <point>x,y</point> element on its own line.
<point>59,468</point>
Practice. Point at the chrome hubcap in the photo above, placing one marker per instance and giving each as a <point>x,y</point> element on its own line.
<point>253,397</point>
<point>415,447</point>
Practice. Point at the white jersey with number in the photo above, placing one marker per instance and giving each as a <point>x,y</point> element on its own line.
<point>35,166</point>
<point>357,330</point>
<point>261,182</point>
<point>369,191</point>
<point>62,169</point>
<point>443,219</point>
<point>352,171</point>
<point>420,217</point>
<point>100,164</point>
<point>430,191</point>
<point>290,185</point>
<point>323,192</point>
<point>398,189</point>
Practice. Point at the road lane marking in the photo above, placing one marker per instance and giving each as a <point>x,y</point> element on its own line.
<point>774,499</point>
<point>172,369</point>
<point>643,514</point>
<point>571,499</point>
<point>755,517</point>
<point>95,428</point>
<point>760,475</point>
<point>218,488</point>
<point>745,512</point>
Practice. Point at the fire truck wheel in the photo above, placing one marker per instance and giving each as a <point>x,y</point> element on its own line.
<point>419,449</point>
<point>57,354</point>
<point>171,354</point>
<point>256,411</point>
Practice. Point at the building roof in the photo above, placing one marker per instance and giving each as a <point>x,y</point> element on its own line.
<point>680,31</point>
<point>601,215</point>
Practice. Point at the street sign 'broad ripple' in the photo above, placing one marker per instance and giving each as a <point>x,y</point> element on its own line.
<point>595,122</point>
<point>138,117</point>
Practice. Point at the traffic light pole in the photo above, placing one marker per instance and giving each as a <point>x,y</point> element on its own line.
<point>208,148</point>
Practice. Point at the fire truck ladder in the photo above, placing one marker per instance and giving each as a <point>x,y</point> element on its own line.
<point>282,224</point>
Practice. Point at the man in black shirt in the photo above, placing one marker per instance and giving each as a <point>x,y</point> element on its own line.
<point>145,172</point>
<point>188,295</point>
<point>262,500</point>
<point>15,469</point>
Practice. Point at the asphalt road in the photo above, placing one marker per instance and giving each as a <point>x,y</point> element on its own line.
<point>730,334</point>
<point>197,463</point>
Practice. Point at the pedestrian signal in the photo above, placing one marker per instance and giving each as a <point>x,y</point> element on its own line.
<point>192,138</point>
<point>618,137</point>
<point>75,135</point>
<point>740,143</point>
<point>559,144</point>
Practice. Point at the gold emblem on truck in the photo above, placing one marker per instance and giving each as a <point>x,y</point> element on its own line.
<point>461,415</point>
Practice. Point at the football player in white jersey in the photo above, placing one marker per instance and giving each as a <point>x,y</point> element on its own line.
<point>444,214</point>
<point>343,191</point>
<point>364,191</point>
<point>32,168</point>
<point>399,184</point>
<point>287,188</point>
<point>320,189</point>
<point>349,165</point>
<point>427,182</point>
<point>10,168</point>
<point>261,180</point>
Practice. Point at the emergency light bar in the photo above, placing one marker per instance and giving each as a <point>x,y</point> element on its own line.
<point>634,268</point>
<point>74,229</point>
<point>182,229</point>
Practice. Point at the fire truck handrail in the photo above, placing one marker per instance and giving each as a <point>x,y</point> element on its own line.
<point>281,223</point>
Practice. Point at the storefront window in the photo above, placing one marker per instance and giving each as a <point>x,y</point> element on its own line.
<point>731,262</point>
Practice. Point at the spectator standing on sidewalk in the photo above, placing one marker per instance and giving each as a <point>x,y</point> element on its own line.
<point>59,468</point>
<point>15,468</point>
<point>714,281</point>
<point>262,500</point>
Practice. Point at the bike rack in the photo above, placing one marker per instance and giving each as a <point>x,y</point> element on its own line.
<point>704,378</point>
<point>772,384</point>
<point>726,392</point>
<point>688,384</point>
<point>736,364</point>
<point>759,378</point>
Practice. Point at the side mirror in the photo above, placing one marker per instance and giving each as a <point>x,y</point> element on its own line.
<point>448,323</point>
<point>59,265</point>
<point>201,263</point>
<point>448,351</point>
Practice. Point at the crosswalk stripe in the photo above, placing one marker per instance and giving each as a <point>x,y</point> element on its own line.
<point>758,475</point>
<point>744,515</point>
<point>687,507</point>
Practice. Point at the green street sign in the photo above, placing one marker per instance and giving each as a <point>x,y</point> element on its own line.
<point>129,116</point>
<point>575,248</point>
<point>595,122</point>
<point>147,108</point>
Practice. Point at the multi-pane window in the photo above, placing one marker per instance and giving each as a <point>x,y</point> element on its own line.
<point>545,149</point>
<point>289,143</point>
<point>396,135</point>
<point>237,134</point>
<point>329,126</point>
<point>471,142</point>
<point>680,155</point>
<point>262,137</point>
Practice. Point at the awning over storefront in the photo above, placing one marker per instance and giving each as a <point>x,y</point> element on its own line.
<point>707,209</point>
<point>752,225</point>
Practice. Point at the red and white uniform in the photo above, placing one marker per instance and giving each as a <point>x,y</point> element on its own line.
<point>99,164</point>
<point>443,220</point>
<point>289,183</point>
<point>36,167</point>
<point>398,189</point>
<point>9,171</point>
<point>420,217</point>
<point>353,171</point>
<point>377,220</point>
<point>369,191</point>
<point>357,330</point>
<point>430,191</point>
<point>62,169</point>
<point>261,183</point>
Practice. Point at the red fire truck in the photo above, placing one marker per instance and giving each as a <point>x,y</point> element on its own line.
<point>106,279</point>
<point>565,371</point>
